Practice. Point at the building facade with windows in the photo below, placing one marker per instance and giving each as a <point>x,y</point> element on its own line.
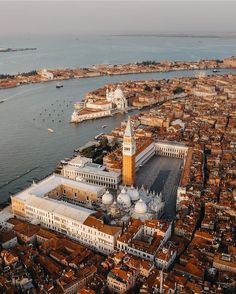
<point>37,204</point>
<point>171,149</point>
<point>81,170</point>
<point>144,239</point>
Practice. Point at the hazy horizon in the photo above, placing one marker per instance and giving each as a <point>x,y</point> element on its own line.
<point>20,18</point>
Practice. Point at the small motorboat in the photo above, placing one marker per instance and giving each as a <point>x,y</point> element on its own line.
<point>98,136</point>
<point>58,86</point>
<point>104,126</point>
<point>51,130</point>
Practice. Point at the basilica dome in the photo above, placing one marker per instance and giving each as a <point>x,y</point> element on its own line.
<point>140,207</point>
<point>124,199</point>
<point>107,198</point>
<point>118,93</point>
<point>133,194</point>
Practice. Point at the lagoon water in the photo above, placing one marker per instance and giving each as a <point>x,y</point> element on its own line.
<point>74,51</point>
<point>30,110</point>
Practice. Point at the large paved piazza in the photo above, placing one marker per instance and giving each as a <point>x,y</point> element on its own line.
<point>162,174</point>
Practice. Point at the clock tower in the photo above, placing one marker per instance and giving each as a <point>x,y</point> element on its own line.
<point>129,151</point>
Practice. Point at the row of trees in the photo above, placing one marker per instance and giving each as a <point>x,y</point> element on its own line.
<point>148,62</point>
<point>24,74</point>
<point>150,89</point>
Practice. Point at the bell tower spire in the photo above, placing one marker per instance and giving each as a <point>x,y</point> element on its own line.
<point>129,151</point>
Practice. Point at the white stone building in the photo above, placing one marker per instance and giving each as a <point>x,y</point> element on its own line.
<point>98,104</point>
<point>171,149</point>
<point>94,108</point>
<point>79,223</point>
<point>79,117</point>
<point>117,98</point>
<point>81,168</point>
<point>46,74</point>
<point>144,156</point>
<point>138,204</point>
<point>144,239</point>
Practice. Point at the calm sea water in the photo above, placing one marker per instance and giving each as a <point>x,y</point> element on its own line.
<point>30,110</point>
<point>84,51</point>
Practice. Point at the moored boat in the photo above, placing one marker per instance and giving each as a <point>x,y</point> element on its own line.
<point>58,86</point>
<point>98,136</point>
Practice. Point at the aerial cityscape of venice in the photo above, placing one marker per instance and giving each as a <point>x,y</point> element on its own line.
<point>118,147</point>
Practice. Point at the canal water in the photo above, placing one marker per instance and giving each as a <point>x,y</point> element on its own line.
<point>27,150</point>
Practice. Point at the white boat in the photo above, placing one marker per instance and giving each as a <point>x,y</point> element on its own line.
<point>51,130</point>
<point>58,86</point>
<point>98,136</point>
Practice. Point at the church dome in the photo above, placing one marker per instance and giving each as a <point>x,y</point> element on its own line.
<point>118,93</point>
<point>107,198</point>
<point>140,207</point>
<point>133,194</point>
<point>124,199</point>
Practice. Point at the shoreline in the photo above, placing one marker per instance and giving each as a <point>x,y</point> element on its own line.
<point>7,50</point>
<point>39,76</point>
<point>147,106</point>
<point>87,112</point>
<point>144,108</point>
<point>114,74</point>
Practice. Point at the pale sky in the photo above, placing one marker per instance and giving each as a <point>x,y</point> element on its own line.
<point>116,17</point>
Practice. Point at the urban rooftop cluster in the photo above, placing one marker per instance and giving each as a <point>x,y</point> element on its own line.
<point>68,248</point>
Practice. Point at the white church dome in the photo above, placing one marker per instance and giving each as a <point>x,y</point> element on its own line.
<point>107,198</point>
<point>140,207</point>
<point>118,93</point>
<point>133,194</point>
<point>123,198</point>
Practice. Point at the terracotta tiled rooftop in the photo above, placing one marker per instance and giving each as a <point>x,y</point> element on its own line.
<point>99,225</point>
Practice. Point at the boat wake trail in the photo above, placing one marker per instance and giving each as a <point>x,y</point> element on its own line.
<point>22,92</point>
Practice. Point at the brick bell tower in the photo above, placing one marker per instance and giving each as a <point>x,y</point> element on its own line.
<point>129,151</point>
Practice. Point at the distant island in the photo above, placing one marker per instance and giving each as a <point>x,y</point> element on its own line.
<point>148,66</point>
<point>15,49</point>
<point>179,35</point>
